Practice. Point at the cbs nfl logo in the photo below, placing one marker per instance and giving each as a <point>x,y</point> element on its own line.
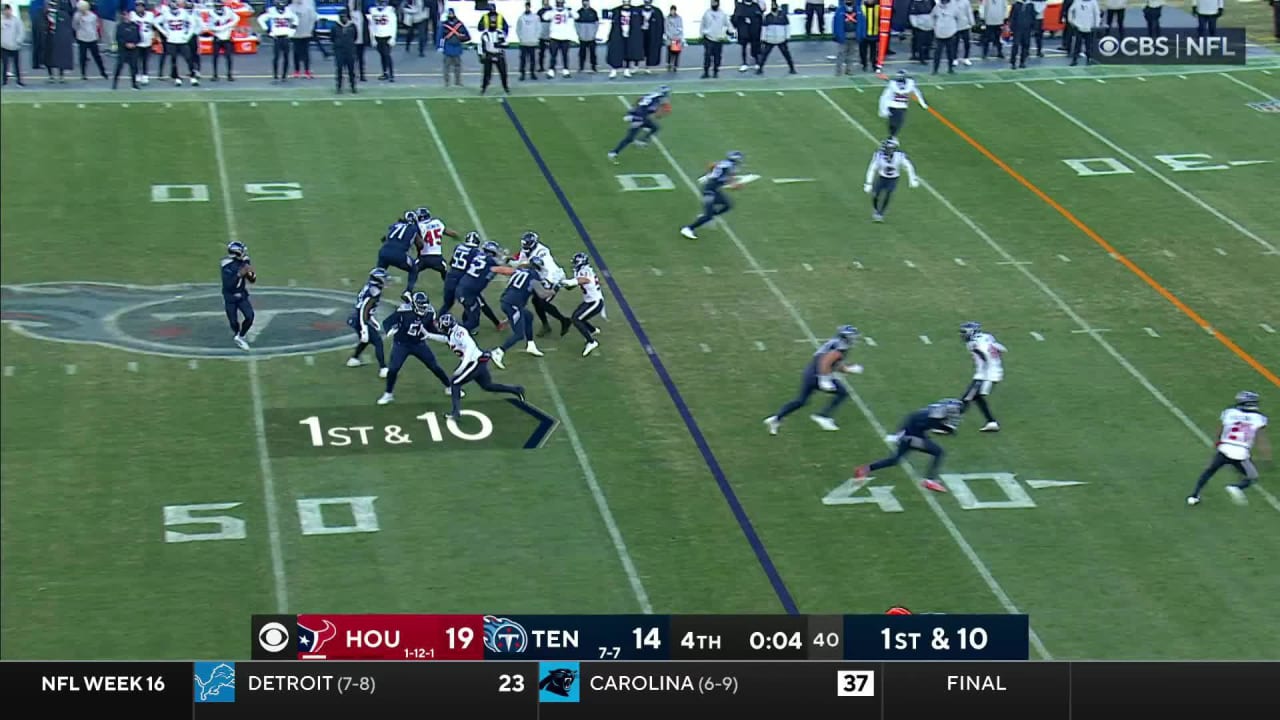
<point>274,637</point>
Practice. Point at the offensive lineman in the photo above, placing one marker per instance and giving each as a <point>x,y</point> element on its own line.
<point>882,177</point>
<point>896,98</point>
<point>720,176</point>
<point>942,417</point>
<point>988,369</point>
<point>817,376</point>
<point>364,321</point>
<point>592,302</point>
<point>397,246</point>
<point>1242,427</point>
<point>514,303</point>
<point>409,327</point>
<point>458,263</point>
<point>484,264</point>
<point>641,117</point>
<point>237,275</point>
<point>472,364</point>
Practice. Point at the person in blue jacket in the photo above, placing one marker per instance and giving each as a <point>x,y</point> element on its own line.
<point>844,28</point>
<point>450,36</point>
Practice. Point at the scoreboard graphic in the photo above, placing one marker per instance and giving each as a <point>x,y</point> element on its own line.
<point>897,666</point>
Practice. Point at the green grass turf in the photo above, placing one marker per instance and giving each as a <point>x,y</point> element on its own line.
<point>1115,568</point>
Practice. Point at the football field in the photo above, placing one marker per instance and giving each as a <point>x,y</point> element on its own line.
<point>1118,234</point>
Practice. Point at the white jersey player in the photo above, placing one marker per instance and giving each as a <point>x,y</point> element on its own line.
<point>882,176</point>
<point>473,364</point>
<point>895,99</point>
<point>1241,430</point>
<point>431,235</point>
<point>988,369</point>
<point>592,302</point>
<point>553,279</point>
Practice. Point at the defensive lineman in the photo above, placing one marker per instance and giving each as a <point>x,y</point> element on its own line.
<point>818,376</point>
<point>531,246</point>
<point>720,176</point>
<point>882,176</point>
<point>641,117</point>
<point>237,275</point>
<point>942,418</point>
<point>988,369</point>
<point>896,98</point>
<point>431,234</point>
<point>409,328</point>
<point>472,364</point>
<point>1242,428</point>
<point>364,321</point>
<point>592,302</point>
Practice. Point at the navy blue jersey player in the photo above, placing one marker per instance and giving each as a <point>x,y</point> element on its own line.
<point>720,177</point>
<point>818,376</point>
<point>409,328</point>
<point>398,246</point>
<point>641,118</point>
<point>942,418</point>
<point>459,261</point>
<point>237,275</point>
<point>481,268</point>
<point>515,305</point>
<point>364,321</point>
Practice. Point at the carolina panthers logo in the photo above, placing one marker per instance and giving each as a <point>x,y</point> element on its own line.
<point>176,320</point>
<point>504,635</point>
<point>559,681</point>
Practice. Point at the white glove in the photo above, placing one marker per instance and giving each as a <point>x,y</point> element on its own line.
<point>884,113</point>
<point>826,384</point>
<point>867,188</point>
<point>568,283</point>
<point>855,369</point>
<point>915,183</point>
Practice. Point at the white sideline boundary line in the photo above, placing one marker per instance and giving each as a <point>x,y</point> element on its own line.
<point>255,390</point>
<point>1062,305</point>
<point>1155,173</point>
<point>877,426</point>
<point>589,474</point>
<point>1246,85</point>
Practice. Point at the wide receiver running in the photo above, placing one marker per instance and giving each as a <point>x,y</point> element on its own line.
<point>1241,429</point>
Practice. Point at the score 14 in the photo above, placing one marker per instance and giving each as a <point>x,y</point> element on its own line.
<point>644,638</point>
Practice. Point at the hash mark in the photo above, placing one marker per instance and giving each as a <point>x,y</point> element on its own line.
<point>741,94</point>
<point>542,99</point>
<point>1141,79</point>
<point>8,371</point>
<point>705,348</point>
<point>71,369</point>
<point>870,341</point>
<point>581,99</point>
<point>760,346</point>
<point>293,283</point>
<point>294,103</point>
<point>656,271</point>
<point>1209,329</point>
<point>707,269</point>
<point>193,364</point>
<point>1266,327</point>
<point>779,92</point>
<point>1100,80</point>
<point>131,366</point>
<point>252,104</point>
<point>1184,77</point>
<point>701,95</point>
<point>460,100</point>
<point>1169,253</point>
<point>124,105</point>
<point>310,359</point>
<point>1063,258</point>
<point>711,309</point>
<point>649,349</point>
<point>908,263</point>
<point>960,262</point>
<point>377,102</point>
<point>169,105</point>
<point>1152,332</point>
<point>36,106</point>
<point>337,102</point>
<point>925,339</point>
<point>857,264</point>
<point>1037,336</point>
<point>979,85</point>
<point>807,267</point>
<point>345,281</point>
<point>1059,82</point>
<point>858,88</point>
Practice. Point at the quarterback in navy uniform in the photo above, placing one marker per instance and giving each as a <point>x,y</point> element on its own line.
<point>237,275</point>
<point>515,305</point>
<point>409,327</point>
<point>397,248</point>
<point>481,268</point>
<point>719,177</point>
<point>641,117</point>
<point>472,364</point>
<point>364,321</point>
<point>818,376</point>
<point>942,418</point>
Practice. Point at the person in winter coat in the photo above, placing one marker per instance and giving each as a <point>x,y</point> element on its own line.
<point>1151,12</point>
<point>1040,6</point>
<point>59,39</point>
<point>1115,16</point>
<point>344,37</point>
<point>1067,31</point>
<point>127,39</point>
<point>450,37</point>
<point>35,17</point>
<point>1022,25</point>
<point>777,29</point>
<point>869,34</point>
<point>361,22</point>
<point>993,15</point>
<point>529,38</point>
<point>544,34</point>
<point>715,33</point>
<point>625,47</point>
<point>1207,13</point>
<point>222,22</point>
<point>588,26</point>
<point>653,25</point>
<point>844,29</point>
<point>12,32</point>
<point>302,35</point>
<point>674,37</point>
<point>920,14</point>
<point>1085,18</point>
<point>85,22</point>
<point>748,22</point>
<point>415,19</point>
<point>946,26</point>
<point>964,36</point>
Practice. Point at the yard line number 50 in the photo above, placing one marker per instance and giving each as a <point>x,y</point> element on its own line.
<point>257,192</point>
<point>316,516</point>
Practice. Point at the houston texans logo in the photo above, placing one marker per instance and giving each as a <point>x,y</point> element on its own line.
<point>312,641</point>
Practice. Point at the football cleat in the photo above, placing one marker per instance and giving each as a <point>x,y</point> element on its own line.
<point>825,422</point>
<point>532,349</point>
<point>589,348</point>
<point>240,342</point>
<point>933,485</point>
<point>992,426</point>
<point>1193,500</point>
<point>688,232</point>
<point>773,424</point>
<point>386,399</point>
<point>496,356</point>
<point>382,373</point>
<point>354,362</point>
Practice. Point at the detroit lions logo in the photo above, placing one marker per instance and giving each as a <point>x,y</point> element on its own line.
<point>504,635</point>
<point>559,681</point>
<point>184,321</point>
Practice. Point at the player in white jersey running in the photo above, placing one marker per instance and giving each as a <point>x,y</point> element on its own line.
<point>592,302</point>
<point>1241,430</point>
<point>473,364</point>
<point>882,176</point>
<point>896,98</point>
<point>988,369</point>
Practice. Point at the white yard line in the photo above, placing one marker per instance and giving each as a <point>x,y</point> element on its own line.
<point>1156,173</point>
<point>255,390</point>
<point>877,426</point>
<point>1246,85</point>
<point>1062,305</point>
<point>597,493</point>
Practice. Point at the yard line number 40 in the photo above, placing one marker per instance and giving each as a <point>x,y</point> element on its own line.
<point>316,516</point>
<point>260,191</point>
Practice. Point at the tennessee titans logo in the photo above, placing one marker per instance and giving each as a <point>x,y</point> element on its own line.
<point>312,641</point>
<point>503,635</point>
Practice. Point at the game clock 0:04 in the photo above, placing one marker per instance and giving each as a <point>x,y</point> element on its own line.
<point>776,641</point>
